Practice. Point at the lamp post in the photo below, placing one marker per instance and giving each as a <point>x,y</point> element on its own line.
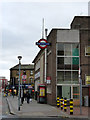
<point>19,57</point>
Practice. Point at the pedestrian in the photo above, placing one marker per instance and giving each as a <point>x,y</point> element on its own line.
<point>28,97</point>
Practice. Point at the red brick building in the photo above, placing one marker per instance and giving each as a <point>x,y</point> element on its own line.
<point>69,52</point>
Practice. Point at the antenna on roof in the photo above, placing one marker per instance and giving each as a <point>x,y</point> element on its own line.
<point>43,28</point>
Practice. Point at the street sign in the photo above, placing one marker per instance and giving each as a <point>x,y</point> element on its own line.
<point>24,77</point>
<point>42,43</point>
<point>48,80</point>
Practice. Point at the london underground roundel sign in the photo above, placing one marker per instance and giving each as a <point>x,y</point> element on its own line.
<point>42,43</point>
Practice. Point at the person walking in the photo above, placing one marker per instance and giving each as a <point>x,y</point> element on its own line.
<point>28,97</point>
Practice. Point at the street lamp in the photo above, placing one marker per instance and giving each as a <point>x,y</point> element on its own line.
<point>19,57</point>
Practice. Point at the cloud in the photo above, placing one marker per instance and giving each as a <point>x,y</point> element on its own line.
<point>22,27</point>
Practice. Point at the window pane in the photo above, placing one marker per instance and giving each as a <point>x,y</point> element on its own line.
<point>75,63</point>
<point>60,63</point>
<point>67,63</point>
<point>75,60</point>
<point>68,76</point>
<point>67,49</point>
<point>60,49</point>
<point>75,76</point>
<point>60,77</point>
<point>75,50</point>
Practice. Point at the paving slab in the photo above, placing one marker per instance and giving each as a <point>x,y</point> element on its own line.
<point>34,109</point>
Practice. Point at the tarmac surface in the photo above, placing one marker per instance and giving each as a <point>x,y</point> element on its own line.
<point>34,109</point>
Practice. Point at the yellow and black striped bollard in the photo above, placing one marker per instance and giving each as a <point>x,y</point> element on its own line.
<point>58,102</point>
<point>65,104</point>
<point>61,103</point>
<point>71,106</point>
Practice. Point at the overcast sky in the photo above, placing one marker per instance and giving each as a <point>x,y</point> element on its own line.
<point>21,27</point>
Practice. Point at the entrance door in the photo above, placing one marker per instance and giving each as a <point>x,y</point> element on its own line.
<point>66,92</point>
<point>59,91</point>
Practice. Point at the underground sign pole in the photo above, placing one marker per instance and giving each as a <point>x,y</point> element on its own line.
<point>42,43</point>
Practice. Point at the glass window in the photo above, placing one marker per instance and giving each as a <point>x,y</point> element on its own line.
<point>75,60</point>
<point>75,76</point>
<point>67,49</point>
<point>60,77</point>
<point>60,63</point>
<point>67,63</point>
<point>67,76</point>
<point>75,50</point>
<point>60,49</point>
<point>31,72</point>
<point>31,79</point>
<point>76,92</point>
<point>87,50</point>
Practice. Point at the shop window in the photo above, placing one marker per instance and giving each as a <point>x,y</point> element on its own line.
<point>76,92</point>
<point>87,51</point>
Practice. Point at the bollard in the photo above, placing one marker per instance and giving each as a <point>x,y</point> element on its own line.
<point>71,106</point>
<point>61,103</point>
<point>65,104</point>
<point>58,102</point>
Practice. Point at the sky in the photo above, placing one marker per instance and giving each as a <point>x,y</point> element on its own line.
<point>21,26</point>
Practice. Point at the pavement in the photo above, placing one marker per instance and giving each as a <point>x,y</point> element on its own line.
<point>34,109</point>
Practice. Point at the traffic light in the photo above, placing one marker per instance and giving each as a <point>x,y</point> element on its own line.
<point>32,90</point>
<point>10,90</point>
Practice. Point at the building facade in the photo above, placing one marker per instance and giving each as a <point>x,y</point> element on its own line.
<point>3,82</point>
<point>39,69</point>
<point>69,52</point>
<point>26,75</point>
<point>82,24</point>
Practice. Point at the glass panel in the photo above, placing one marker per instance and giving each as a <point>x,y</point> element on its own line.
<point>75,63</point>
<point>67,62</point>
<point>66,92</point>
<point>60,63</point>
<point>76,92</point>
<point>60,49</point>
<point>75,50</point>
<point>68,76</point>
<point>75,76</point>
<point>75,60</point>
<point>67,49</point>
<point>60,77</point>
